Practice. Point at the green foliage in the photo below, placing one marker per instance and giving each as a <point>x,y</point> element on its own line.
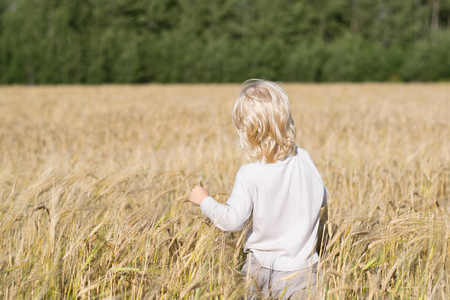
<point>306,61</point>
<point>352,58</point>
<point>136,41</point>
<point>429,61</point>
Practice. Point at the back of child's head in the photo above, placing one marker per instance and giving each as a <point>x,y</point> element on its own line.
<point>262,116</point>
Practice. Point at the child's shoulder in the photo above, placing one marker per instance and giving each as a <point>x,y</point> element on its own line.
<point>303,153</point>
<point>248,168</point>
<point>247,171</point>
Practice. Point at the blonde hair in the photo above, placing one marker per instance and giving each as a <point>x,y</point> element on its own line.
<point>262,117</point>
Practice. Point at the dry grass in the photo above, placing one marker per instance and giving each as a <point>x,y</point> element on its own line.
<point>94,181</point>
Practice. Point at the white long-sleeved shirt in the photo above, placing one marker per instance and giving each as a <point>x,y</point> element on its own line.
<point>285,198</point>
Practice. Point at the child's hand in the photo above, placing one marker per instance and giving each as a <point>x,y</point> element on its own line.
<point>198,194</point>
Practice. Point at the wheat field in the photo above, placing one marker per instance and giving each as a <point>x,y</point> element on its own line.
<point>94,183</point>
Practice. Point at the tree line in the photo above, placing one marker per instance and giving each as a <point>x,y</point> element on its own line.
<point>140,41</point>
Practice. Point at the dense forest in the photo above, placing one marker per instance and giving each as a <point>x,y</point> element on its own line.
<point>139,41</point>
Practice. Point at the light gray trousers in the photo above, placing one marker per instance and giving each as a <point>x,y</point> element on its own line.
<point>265,283</point>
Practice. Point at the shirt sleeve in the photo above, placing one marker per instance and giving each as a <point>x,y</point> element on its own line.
<point>317,174</point>
<point>232,215</point>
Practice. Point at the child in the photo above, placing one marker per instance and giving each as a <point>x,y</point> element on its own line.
<point>282,191</point>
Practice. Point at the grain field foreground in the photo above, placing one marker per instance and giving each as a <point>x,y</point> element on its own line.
<point>94,184</point>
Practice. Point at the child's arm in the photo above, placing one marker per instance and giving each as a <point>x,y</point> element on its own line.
<point>230,216</point>
<point>325,196</point>
<point>198,194</point>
